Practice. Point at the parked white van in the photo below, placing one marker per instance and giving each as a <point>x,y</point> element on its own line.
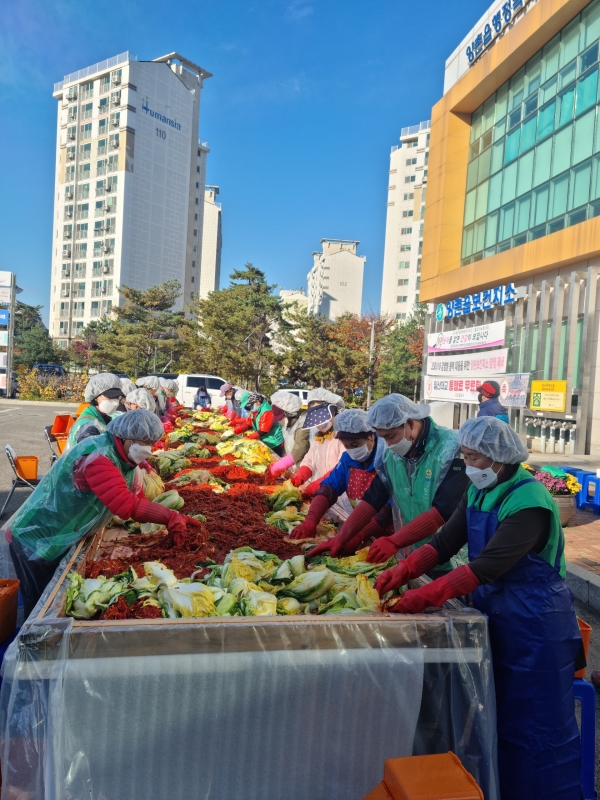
<point>189,385</point>
<point>301,393</point>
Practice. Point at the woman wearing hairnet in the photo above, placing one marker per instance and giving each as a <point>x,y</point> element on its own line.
<point>287,410</point>
<point>103,392</point>
<point>261,423</point>
<point>352,476</point>
<point>231,407</point>
<point>78,496</point>
<point>516,574</point>
<point>325,450</point>
<point>140,398</point>
<point>422,474</point>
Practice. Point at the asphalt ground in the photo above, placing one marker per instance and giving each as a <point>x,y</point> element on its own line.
<point>22,426</point>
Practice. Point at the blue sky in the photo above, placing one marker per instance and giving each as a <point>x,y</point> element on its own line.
<point>307,98</point>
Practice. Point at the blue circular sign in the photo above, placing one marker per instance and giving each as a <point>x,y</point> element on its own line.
<point>440,312</point>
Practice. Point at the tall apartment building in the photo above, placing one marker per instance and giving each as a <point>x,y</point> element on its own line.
<point>129,187</point>
<point>335,282</point>
<point>404,222</point>
<point>210,263</point>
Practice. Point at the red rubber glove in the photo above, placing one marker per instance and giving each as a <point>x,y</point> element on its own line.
<point>374,530</point>
<point>420,528</point>
<point>253,435</point>
<point>308,528</point>
<point>303,474</point>
<point>146,467</point>
<point>460,581</point>
<point>312,488</point>
<point>416,564</point>
<point>243,426</point>
<point>356,522</point>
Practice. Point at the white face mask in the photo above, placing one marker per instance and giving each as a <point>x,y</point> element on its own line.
<point>326,426</point>
<point>361,453</point>
<point>402,447</point>
<point>108,406</point>
<point>482,478</point>
<point>139,452</point>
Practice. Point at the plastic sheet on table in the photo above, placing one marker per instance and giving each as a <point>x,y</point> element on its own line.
<point>242,707</point>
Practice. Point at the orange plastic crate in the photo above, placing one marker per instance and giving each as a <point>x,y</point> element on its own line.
<point>9,595</point>
<point>80,409</point>
<point>61,442</point>
<point>436,777</point>
<point>27,467</point>
<point>379,793</point>
<point>586,632</point>
<point>62,423</point>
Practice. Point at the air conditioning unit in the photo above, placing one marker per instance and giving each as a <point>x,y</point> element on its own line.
<point>72,95</point>
<point>70,135</point>
<point>115,123</point>
<point>102,291</point>
<point>73,115</point>
<point>115,143</point>
<point>71,156</point>
<point>64,293</point>
<point>108,187</point>
<point>67,235</point>
<point>106,249</point>
<point>66,254</point>
<point>116,99</point>
<point>68,214</point>
<point>106,270</point>
<point>68,195</point>
<point>116,79</point>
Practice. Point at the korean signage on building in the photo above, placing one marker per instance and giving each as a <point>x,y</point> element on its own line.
<point>5,284</point>
<point>549,396</point>
<point>500,18</point>
<point>4,317</point>
<point>472,365</point>
<point>478,301</point>
<point>513,389</point>
<point>491,335</point>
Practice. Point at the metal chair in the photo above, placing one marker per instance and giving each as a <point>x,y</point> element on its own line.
<point>17,480</point>
<point>51,439</point>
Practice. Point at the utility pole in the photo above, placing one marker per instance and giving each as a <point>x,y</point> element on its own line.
<point>371,354</point>
<point>11,336</point>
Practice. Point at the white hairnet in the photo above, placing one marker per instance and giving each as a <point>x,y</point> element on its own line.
<point>164,382</point>
<point>141,381</point>
<point>126,385</point>
<point>142,398</point>
<point>494,439</point>
<point>149,382</point>
<point>100,383</point>
<point>324,396</point>
<point>139,424</point>
<point>352,420</point>
<point>173,386</point>
<point>286,401</point>
<point>393,411</point>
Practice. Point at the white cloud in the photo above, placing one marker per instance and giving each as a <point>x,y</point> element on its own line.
<point>298,10</point>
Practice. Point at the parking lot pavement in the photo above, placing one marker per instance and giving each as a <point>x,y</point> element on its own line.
<point>22,426</point>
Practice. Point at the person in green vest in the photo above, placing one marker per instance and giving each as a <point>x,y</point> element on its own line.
<point>261,423</point>
<point>516,577</point>
<point>84,488</point>
<point>422,475</point>
<point>103,392</point>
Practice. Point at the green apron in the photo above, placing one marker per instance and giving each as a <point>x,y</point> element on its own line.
<point>87,416</point>
<point>532,495</point>
<point>413,494</point>
<point>58,514</point>
<point>275,436</point>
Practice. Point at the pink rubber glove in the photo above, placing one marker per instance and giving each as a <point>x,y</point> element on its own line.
<point>280,466</point>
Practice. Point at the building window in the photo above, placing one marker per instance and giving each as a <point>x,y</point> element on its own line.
<point>95,309</point>
<point>115,119</point>
<point>83,210</point>
<point>408,213</point>
<point>106,306</point>
<point>115,141</point>
<point>69,212</point>
<point>403,282</point>
<point>402,298</point>
<point>68,192</point>
<point>404,265</point>
<point>409,196</point>
<point>104,267</point>
<point>103,105</point>
<point>85,131</point>
<point>105,84</point>
<point>101,167</point>
<point>102,127</point>
<point>401,316</point>
<point>410,162</point>
<point>412,143</point>
<point>71,153</point>
<point>113,163</point>
<point>196,201</point>
<point>77,328</point>
<point>410,179</point>
<point>87,90</point>
<point>81,250</point>
<point>82,231</point>
<point>405,248</point>
<point>101,147</point>
<point>64,310</point>
<point>78,309</point>
<point>84,172</point>
<point>533,147</point>
<point>197,169</point>
<point>83,191</point>
<point>67,231</point>
<point>405,231</point>
<point>85,152</point>
<point>86,111</point>
<point>79,271</point>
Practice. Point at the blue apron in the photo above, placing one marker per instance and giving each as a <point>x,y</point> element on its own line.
<point>535,640</point>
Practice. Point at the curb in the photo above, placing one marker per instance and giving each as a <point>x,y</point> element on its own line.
<point>584,584</point>
<point>54,403</point>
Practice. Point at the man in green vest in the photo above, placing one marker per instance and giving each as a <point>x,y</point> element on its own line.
<point>422,480</point>
<point>84,488</point>
<point>103,393</point>
<point>262,424</point>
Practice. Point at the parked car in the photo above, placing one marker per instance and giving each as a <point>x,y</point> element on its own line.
<point>189,385</point>
<point>301,393</point>
<point>50,369</point>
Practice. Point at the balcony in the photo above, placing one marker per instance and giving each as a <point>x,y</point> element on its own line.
<point>83,193</point>
<point>100,171</point>
<point>85,155</point>
<point>102,150</point>
<point>82,234</point>
<point>412,129</point>
<point>98,232</point>
<point>82,214</point>
<point>109,63</point>
<point>113,166</point>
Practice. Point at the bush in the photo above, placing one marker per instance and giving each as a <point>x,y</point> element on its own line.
<point>34,385</point>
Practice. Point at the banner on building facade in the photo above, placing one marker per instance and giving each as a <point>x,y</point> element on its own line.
<point>3,358</point>
<point>472,365</point>
<point>549,395</point>
<point>514,389</point>
<point>490,335</point>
